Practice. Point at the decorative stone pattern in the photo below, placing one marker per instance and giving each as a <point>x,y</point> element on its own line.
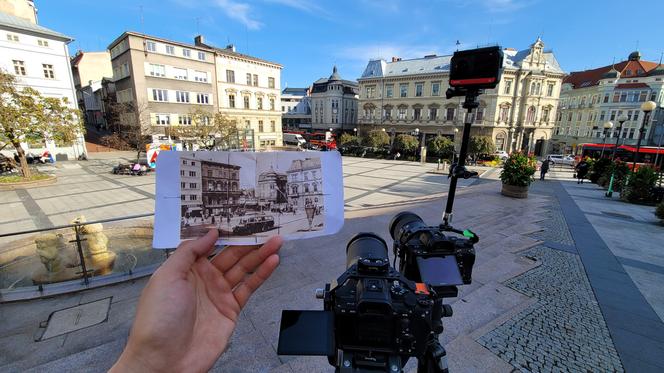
<point>564,331</point>
<point>554,227</point>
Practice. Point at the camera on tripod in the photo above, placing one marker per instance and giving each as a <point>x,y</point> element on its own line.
<point>375,316</point>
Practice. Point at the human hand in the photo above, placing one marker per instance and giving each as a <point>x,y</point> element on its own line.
<point>189,308</point>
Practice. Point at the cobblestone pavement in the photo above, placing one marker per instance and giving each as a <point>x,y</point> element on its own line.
<point>564,331</point>
<point>554,226</point>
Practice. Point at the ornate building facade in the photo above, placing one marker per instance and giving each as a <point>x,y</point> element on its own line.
<point>408,96</point>
<point>591,98</point>
<point>334,103</point>
<point>305,183</point>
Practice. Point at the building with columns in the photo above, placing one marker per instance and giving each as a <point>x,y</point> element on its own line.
<point>591,98</point>
<point>401,96</point>
<point>334,103</point>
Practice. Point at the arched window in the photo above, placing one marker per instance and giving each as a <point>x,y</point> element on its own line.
<point>306,188</point>
<point>500,141</point>
<point>530,115</point>
<point>315,187</point>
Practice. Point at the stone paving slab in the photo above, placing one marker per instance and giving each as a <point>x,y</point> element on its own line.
<point>78,317</point>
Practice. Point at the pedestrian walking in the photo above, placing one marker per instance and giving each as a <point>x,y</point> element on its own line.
<point>581,171</point>
<point>544,168</point>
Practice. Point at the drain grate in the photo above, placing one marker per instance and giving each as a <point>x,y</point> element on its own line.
<point>75,318</point>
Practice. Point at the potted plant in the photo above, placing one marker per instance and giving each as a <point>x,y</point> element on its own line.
<point>517,174</point>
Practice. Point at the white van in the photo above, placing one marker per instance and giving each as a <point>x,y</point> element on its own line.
<point>294,139</point>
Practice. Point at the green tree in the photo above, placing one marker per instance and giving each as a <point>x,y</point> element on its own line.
<point>441,146</point>
<point>26,114</point>
<point>207,130</point>
<point>347,139</point>
<point>377,139</point>
<point>406,143</point>
<point>481,145</point>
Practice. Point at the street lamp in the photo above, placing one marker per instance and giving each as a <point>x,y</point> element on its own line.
<point>355,131</point>
<point>456,131</point>
<point>607,127</point>
<point>647,107</point>
<point>621,119</point>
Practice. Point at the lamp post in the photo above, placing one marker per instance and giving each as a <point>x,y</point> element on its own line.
<point>456,131</point>
<point>621,119</point>
<point>647,107</point>
<point>607,127</point>
<point>355,131</point>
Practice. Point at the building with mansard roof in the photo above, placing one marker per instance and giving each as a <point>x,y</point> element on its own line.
<point>408,96</point>
<point>334,103</point>
<point>591,98</point>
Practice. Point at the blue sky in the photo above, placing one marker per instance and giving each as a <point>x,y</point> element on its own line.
<point>309,36</point>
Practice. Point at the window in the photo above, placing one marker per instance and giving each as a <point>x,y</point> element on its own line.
<point>389,91</point>
<point>449,115</point>
<point>435,89</point>
<point>12,37</point>
<point>159,95</point>
<point>260,126</point>
<point>283,109</point>
<point>201,56</point>
<point>629,115</point>
<point>401,113</point>
<point>248,78</point>
<point>270,82</point>
<point>180,73</point>
<point>271,104</point>
<point>181,96</point>
<point>151,46</point>
<point>48,71</point>
<point>545,114</point>
<point>230,76</point>
<point>164,119</point>
<point>193,197</point>
<point>403,90</point>
<point>569,116</point>
<point>530,115</point>
<point>418,89</point>
<point>170,49</point>
<point>200,76</point>
<point>616,97</point>
<point>508,86</point>
<point>19,67</point>
<point>504,114</point>
<point>259,103</point>
<point>273,126</point>
<point>549,91</point>
<point>643,96</point>
<point>602,115</point>
<point>433,113</point>
<point>186,52</point>
<point>193,185</point>
<point>246,102</point>
<point>417,113</point>
<point>184,119</point>
<point>255,80</point>
<point>613,115</point>
<point>479,115</point>
<point>42,42</point>
<point>231,101</point>
<point>371,91</point>
<point>623,97</point>
<point>653,96</point>
<point>606,98</point>
<point>157,70</point>
<point>202,98</point>
<point>579,117</point>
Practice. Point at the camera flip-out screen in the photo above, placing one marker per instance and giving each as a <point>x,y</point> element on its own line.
<point>439,271</point>
<point>306,333</point>
<point>476,68</point>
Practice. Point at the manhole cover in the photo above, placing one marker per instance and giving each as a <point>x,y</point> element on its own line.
<point>76,318</point>
<point>617,214</point>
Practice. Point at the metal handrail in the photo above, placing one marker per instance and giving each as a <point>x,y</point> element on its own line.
<point>75,225</point>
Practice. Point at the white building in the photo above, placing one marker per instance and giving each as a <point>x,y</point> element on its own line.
<point>248,89</point>
<point>40,59</point>
<point>296,108</point>
<point>334,103</point>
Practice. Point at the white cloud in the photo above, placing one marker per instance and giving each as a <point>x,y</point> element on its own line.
<point>385,51</point>
<point>506,5</point>
<point>308,6</point>
<point>240,12</point>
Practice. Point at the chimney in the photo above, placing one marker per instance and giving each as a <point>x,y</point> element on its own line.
<point>396,59</point>
<point>231,47</point>
<point>198,40</point>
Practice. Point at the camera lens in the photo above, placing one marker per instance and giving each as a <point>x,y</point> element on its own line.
<point>402,219</point>
<point>365,245</point>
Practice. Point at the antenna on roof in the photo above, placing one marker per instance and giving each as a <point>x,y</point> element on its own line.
<point>660,58</point>
<point>457,45</point>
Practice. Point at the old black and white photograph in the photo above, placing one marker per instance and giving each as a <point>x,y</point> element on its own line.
<point>250,194</point>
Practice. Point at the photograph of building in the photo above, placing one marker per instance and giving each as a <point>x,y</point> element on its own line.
<point>250,194</point>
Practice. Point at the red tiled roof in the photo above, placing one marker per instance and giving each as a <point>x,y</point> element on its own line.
<point>587,78</point>
<point>632,85</point>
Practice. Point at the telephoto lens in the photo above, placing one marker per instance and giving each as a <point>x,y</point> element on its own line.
<point>365,246</point>
<point>402,219</point>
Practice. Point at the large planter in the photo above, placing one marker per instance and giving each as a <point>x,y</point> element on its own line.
<point>514,191</point>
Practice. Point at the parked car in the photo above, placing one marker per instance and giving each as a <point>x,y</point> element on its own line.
<point>254,224</point>
<point>501,154</point>
<point>561,159</point>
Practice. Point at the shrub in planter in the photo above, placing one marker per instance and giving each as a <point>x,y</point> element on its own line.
<point>603,180</point>
<point>621,171</point>
<point>598,168</point>
<point>517,174</point>
<point>659,211</point>
<point>639,188</point>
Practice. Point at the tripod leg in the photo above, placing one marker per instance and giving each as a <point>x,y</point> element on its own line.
<point>434,359</point>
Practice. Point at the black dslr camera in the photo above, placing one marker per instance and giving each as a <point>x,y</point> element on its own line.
<point>376,317</point>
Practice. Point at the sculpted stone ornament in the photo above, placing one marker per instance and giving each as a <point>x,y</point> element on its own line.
<point>48,246</point>
<point>95,247</point>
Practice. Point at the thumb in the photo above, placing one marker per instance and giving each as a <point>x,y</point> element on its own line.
<point>189,251</point>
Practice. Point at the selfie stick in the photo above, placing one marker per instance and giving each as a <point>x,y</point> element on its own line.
<point>459,169</point>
